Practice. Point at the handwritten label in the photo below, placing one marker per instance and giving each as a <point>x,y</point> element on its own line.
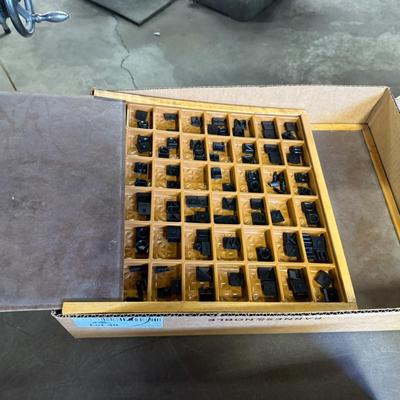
<point>119,322</point>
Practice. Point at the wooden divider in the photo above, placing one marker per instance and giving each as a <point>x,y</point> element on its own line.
<point>195,180</point>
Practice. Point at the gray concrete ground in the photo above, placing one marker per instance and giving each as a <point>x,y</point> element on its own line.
<point>296,41</point>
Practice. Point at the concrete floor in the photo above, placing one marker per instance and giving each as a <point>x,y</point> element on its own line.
<point>296,41</point>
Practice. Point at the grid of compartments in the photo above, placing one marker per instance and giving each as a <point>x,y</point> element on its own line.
<point>223,207</point>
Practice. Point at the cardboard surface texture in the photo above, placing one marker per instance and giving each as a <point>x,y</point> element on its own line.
<point>93,326</point>
<point>342,117</point>
<point>60,200</point>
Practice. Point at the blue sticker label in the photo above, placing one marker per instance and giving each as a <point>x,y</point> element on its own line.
<point>120,322</point>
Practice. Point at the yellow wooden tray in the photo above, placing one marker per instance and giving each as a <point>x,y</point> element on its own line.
<point>181,259</point>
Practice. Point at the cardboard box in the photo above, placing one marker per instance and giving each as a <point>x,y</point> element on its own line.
<point>357,132</point>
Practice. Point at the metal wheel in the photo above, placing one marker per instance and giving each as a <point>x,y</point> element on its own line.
<point>24,17</point>
<point>21,17</point>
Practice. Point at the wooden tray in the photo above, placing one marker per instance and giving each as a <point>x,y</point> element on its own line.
<point>147,276</point>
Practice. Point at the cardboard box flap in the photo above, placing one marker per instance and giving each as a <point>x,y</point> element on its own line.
<point>60,200</point>
<point>384,122</point>
<point>120,325</point>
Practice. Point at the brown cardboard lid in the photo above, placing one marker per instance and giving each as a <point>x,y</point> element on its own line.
<point>61,184</point>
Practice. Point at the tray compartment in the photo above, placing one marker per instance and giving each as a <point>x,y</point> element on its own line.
<point>217,124</point>
<point>138,173</point>
<point>281,210</point>
<point>221,148</point>
<point>192,121</point>
<point>265,127</point>
<point>317,246</point>
<point>166,282</point>
<point>229,244</point>
<point>249,179</point>
<point>275,180</point>
<point>298,292</point>
<point>139,143</point>
<point>166,119</point>
<point>167,242</point>
<point>245,151</point>
<point>194,148</point>
<point>199,242</point>
<point>270,152</point>
<point>321,287</point>
<point>136,282</point>
<point>258,245</point>
<point>232,282</point>
<point>302,181</point>
<point>139,116</point>
<point>197,208</point>
<point>138,241</point>
<point>309,212</point>
<point>166,145</point>
<point>167,174</point>
<point>200,282</point>
<point>195,176</point>
<point>138,205</point>
<point>288,245</point>
<point>228,181</point>
<point>264,283</point>
<point>286,130</point>
<point>167,206</point>
<point>241,125</point>
<point>296,154</point>
<point>225,209</point>
<point>253,209</point>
